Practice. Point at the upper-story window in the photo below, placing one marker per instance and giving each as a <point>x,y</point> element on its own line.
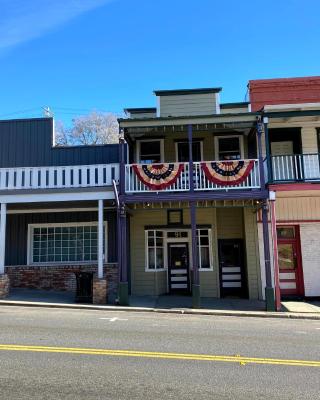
<point>182,151</point>
<point>229,147</point>
<point>150,151</point>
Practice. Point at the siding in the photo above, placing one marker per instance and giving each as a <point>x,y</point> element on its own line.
<point>192,104</point>
<point>310,235</point>
<point>28,143</point>
<point>252,253</point>
<point>17,232</point>
<point>298,205</point>
<point>309,140</point>
<point>230,223</point>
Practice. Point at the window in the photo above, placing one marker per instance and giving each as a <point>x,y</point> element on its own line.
<point>183,151</point>
<point>149,151</point>
<point>204,247</point>
<point>229,148</point>
<point>286,232</point>
<point>155,250</point>
<point>64,243</point>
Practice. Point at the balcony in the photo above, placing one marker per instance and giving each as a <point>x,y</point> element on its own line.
<point>298,167</point>
<point>82,176</point>
<point>133,183</point>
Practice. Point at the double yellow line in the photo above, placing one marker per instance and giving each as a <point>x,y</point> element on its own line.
<point>168,356</point>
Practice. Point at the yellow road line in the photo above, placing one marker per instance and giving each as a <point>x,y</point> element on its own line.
<point>163,355</point>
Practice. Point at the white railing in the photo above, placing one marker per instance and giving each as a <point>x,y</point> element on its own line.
<point>202,183</point>
<point>58,177</point>
<point>134,185</point>
<point>298,167</point>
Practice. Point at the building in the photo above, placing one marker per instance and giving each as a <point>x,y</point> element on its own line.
<point>189,198</point>
<point>291,111</point>
<point>58,214</point>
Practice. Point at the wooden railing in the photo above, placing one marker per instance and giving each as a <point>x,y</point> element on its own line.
<point>297,167</point>
<point>58,177</point>
<point>134,185</point>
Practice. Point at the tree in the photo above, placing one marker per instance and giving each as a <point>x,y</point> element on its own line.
<point>92,129</point>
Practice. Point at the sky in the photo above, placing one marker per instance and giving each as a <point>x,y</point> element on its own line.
<point>80,55</point>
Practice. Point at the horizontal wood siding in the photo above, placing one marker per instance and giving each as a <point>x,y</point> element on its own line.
<point>309,140</point>
<point>28,143</point>
<point>252,253</point>
<point>192,104</point>
<point>17,231</point>
<point>230,223</point>
<point>298,205</point>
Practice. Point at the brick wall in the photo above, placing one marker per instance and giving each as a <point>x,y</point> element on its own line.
<point>59,277</point>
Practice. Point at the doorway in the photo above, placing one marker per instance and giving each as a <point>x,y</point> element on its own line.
<point>232,270</point>
<point>289,260</point>
<point>178,268</point>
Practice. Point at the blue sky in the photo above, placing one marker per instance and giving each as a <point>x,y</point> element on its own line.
<point>78,55</point>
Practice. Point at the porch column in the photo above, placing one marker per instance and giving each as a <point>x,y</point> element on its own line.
<point>100,239</point>
<point>122,256</point>
<point>4,279</point>
<point>275,249</point>
<point>3,219</point>
<point>269,290</point>
<point>193,219</point>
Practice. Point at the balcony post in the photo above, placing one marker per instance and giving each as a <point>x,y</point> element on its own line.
<point>122,163</point>
<point>122,256</point>
<point>195,263</point>
<point>268,155</point>
<point>260,156</point>
<point>3,219</point>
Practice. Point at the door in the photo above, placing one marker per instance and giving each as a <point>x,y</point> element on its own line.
<point>178,268</point>
<point>289,259</point>
<point>232,271</point>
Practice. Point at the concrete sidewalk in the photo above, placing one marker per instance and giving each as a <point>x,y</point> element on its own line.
<point>167,304</point>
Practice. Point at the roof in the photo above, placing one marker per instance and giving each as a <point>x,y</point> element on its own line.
<point>235,105</point>
<point>186,91</point>
<point>145,110</point>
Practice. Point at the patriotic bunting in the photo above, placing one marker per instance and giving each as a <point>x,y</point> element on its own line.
<point>158,176</point>
<point>227,173</point>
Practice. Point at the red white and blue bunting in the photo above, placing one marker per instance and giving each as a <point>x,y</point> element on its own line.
<point>158,176</point>
<point>227,173</point>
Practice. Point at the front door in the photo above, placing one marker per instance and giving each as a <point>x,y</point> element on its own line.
<point>232,273</point>
<point>289,260</point>
<point>178,268</point>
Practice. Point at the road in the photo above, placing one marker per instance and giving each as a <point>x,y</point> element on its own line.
<point>47,354</point>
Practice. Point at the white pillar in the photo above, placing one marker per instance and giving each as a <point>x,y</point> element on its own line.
<point>100,240</point>
<point>3,217</point>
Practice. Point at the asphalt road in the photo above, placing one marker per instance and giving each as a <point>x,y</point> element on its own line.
<point>62,368</point>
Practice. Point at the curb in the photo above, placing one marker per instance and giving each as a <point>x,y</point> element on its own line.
<point>187,311</point>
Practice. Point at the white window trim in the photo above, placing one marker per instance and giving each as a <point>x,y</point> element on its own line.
<point>177,240</point>
<point>195,140</point>
<point>58,225</point>
<point>216,144</point>
<point>150,140</point>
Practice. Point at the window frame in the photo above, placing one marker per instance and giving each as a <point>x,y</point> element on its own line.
<point>138,149</point>
<point>187,239</point>
<point>31,227</point>
<point>193,141</point>
<point>216,145</point>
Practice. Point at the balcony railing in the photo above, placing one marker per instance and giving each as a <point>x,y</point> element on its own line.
<point>298,167</point>
<point>58,177</point>
<point>134,185</point>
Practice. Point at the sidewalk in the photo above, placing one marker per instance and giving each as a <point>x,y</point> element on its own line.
<point>167,304</point>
